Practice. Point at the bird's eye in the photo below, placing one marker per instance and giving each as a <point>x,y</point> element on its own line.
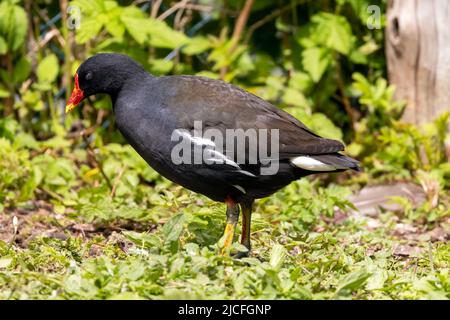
<point>88,76</point>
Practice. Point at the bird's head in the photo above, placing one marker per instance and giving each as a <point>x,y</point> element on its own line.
<point>102,73</point>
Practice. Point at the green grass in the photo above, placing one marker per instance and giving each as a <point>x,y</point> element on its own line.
<point>114,249</point>
<point>151,239</point>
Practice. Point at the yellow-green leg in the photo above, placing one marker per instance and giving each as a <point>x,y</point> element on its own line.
<point>232,219</point>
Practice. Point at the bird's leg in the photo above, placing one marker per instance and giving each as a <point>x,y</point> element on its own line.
<point>232,219</point>
<point>246,223</point>
<point>246,208</point>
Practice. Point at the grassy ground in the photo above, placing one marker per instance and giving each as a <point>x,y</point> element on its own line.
<point>77,239</point>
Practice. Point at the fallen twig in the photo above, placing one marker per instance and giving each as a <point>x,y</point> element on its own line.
<point>116,181</point>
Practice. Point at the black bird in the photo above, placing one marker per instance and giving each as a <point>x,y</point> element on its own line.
<point>161,118</point>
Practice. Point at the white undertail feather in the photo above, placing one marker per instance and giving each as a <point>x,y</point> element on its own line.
<point>311,164</point>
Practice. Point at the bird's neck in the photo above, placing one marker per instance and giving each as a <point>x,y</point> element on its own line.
<point>130,85</point>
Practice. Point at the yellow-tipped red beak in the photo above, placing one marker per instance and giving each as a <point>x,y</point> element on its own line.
<point>70,107</point>
<point>76,97</point>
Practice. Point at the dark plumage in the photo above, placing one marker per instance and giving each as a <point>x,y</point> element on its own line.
<point>149,109</point>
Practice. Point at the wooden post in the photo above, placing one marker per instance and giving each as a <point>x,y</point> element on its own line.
<point>418,56</point>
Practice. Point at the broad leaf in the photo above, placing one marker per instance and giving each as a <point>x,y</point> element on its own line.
<point>13,26</point>
<point>22,70</point>
<point>315,61</point>
<point>334,32</point>
<point>48,69</point>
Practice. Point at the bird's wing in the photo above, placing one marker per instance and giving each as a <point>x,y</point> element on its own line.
<point>220,105</point>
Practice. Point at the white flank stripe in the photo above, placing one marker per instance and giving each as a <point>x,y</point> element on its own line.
<point>247,173</point>
<point>239,188</point>
<point>203,141</point>
<point>219,158</point>
<point>311,164</point>
<point>196,140</point>
<point>214,155</point>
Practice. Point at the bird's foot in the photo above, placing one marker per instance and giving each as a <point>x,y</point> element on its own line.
<point>241,254</point>
<point>227,239</point>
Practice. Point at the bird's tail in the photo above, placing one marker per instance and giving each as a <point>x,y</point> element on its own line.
<point>339,161</point>
<point>325,162</point>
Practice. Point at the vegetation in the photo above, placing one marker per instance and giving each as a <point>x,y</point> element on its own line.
<point>83,216</point>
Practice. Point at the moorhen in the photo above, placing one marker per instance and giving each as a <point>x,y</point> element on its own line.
<point>161,118</point>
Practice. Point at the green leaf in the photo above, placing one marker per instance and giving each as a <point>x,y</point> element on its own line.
<point>377,279</point>
<point>20,27</point>
<point>3,46</point>
<point>295,98</point>
<point>329,31</point>
<point>32,183</point>
<point>13,25</point>
<point>352,282</point>
<point>324,126</point>
<point>114,25</point>
<point>277,256</point>
<point>48,69</point>
<point>41,86</point>
<point>126,296</point>
<point>89,28</point>
<point>135,23</point>
<point>160,66</point>
<point>21,70</point>
<point>4,93</point>
<point>174,227</point>
<point>315,61</point>
<point>163,36</point>
<point>156,32</point>
<point>135,28</point>
<point>196,45</point>
<point>143,240</point>
<point>333,31</point>
<point>360,8</point>
<point>5,262</point>
<point>300,81</point>
<point>90,7</point>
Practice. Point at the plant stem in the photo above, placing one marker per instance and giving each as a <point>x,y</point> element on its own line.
<point>97,163</point>
<point>67,83</point>
<point>265,20</point>
<point>9,105</point>
<point>237,33</point>
<point>341,86</point>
